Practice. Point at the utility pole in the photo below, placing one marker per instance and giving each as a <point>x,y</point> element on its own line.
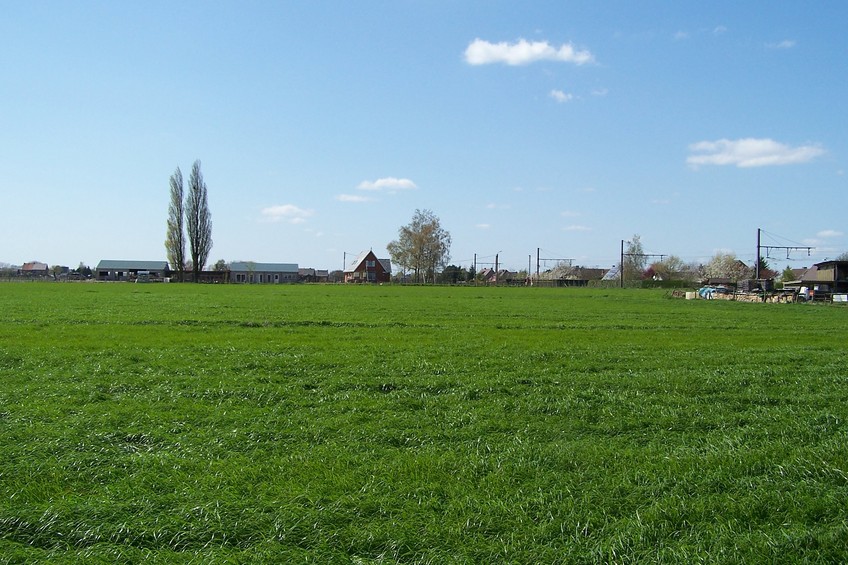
<point>537,263</point>
<point>496,269</point>
<point>621,267</point>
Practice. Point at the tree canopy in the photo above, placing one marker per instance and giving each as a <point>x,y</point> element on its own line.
<point>727,266</point>
<point>422,246</point>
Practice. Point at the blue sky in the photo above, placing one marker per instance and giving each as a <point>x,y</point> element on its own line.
<point>323,126</point>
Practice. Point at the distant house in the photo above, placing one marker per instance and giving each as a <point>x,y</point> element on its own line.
<point>367,268</point>
<point>263,273</point>
<point>34,269</point>
<point>827,276</point>
<point>582,276</point>
<point>502,276</point>
<point>116,270</point>
<point>313,275</point>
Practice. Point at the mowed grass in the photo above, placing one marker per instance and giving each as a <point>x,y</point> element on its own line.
<point>385,424</point>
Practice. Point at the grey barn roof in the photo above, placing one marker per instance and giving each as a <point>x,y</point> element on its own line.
<point>118,265</point>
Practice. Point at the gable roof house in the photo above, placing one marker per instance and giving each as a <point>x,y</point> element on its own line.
<point>501,276</point>
<point>368,268</point>
<point>34,269</point>
<point>117,270</point>
<point>265,273</point>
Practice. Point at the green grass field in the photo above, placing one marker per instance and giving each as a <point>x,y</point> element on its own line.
<point>385,424</point>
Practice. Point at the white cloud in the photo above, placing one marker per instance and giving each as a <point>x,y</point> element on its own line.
<point>576,228</point>
<point>561,96</point>
<point>829,233</point>
<point>483,226</point>
<point>353,198</point>
<point>785,44</point>
<point>719,30</point>
<point>680,35</point>
<point>387,183</point>
<point>523,52</point>
<point>750,152</point>
<point>569,214</point>
<point>286,212</point>
<point>600,92</point>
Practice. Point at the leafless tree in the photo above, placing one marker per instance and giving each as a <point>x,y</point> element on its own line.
<point>634,259</point>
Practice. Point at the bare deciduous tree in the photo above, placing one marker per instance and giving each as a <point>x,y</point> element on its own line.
<point>634,260</point>
<point>672,267</point>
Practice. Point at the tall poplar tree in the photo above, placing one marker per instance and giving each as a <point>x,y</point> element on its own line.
<point>198,221</point>
<point>175,239</point>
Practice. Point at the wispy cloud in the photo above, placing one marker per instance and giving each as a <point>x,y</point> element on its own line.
<point>388,184</point>
<point>523,52</point>
<point>576,228</point>
<point>353,198</point>
<point>750,152</point>
<point>719,30</point>
<point>785,44</point>
<point>561,96</point>
<point>681,35</point>
<point>829,233</point>
<point>483,226</point>
<point>600,92</point>
<point>569,214</point>
<point>286,213</point>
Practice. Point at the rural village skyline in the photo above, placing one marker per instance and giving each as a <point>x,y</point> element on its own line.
<point>323,126</point>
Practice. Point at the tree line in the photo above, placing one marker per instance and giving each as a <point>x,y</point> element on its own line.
<point>422,247</point>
